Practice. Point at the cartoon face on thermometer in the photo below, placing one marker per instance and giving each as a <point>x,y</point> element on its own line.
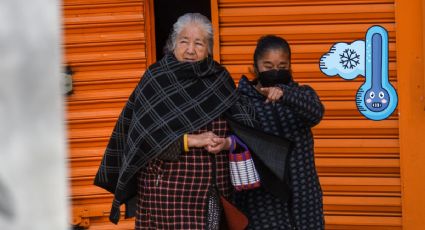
<point>377,99</point>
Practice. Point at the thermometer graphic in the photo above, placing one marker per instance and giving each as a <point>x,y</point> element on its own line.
<point>376,99</point>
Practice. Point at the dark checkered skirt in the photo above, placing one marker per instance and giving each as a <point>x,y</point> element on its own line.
<point>173,195</point>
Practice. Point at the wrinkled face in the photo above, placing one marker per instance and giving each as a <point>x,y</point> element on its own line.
<point>273,59</point>
<point>191,44</point>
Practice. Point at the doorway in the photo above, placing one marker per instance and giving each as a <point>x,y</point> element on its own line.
<point>166,14</point>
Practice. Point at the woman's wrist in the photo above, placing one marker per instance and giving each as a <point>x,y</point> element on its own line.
<point>228,143</point>
<point>191,141</point>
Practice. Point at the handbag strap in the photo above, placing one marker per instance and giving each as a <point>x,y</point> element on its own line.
<point>235,140</point>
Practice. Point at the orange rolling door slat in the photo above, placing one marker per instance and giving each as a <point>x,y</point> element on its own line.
<point>105,43</point>
<point>410,20</point>
<point>357,159</point>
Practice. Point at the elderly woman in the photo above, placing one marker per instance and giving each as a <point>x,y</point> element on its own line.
<point>165,158</point>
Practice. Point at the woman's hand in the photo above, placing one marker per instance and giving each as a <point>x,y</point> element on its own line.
<point>272,93</point>
<point>201,140</point>
<point>209,141</point>
<point>220,145</point>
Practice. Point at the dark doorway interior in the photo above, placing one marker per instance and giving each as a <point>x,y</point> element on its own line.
<point>166,14</point>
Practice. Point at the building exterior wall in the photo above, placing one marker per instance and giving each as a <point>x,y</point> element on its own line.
<point>410,20</point>
<point>105,44</point>
<point>108,44</point>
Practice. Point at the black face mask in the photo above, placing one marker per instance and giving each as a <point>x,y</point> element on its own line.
<point>272,77</point>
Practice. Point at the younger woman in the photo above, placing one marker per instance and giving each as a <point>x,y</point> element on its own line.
<point>287,109</point>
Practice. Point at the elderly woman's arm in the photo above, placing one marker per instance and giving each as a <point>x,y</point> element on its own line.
<point>204,140</point>
<point>172,152</point>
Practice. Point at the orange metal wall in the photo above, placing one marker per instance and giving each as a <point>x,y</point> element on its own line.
<point>105,45</point>
<point>357,159</point>
<point>410,20</point>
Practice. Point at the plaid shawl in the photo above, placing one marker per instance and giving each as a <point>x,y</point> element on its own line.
<point>171,99</point>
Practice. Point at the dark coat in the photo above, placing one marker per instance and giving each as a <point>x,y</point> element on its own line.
<point>292,117</point>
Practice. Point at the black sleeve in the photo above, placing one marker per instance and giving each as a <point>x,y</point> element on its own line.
<point>172,152</point>
<point>305,102</point>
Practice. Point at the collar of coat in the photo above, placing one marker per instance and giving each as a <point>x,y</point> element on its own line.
<point>247,88</point>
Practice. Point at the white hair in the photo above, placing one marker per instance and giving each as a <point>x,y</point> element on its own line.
<point>182,22</point>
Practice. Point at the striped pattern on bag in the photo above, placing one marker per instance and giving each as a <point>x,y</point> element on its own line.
<point>243,174</point>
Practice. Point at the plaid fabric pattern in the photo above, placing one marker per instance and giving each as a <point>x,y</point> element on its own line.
<point>291,117</point>
<point>171,99</point>
<point>173,195</point>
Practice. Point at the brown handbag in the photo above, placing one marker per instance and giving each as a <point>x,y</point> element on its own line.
<point>233,217</point>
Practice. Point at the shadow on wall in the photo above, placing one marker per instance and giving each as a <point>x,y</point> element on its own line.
<point>6,204</point>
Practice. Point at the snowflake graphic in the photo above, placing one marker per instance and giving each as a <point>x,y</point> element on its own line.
<point>349,59</point>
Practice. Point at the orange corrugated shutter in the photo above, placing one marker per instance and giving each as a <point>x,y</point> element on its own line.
<point>105,44</point>
<point>357,159</point>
